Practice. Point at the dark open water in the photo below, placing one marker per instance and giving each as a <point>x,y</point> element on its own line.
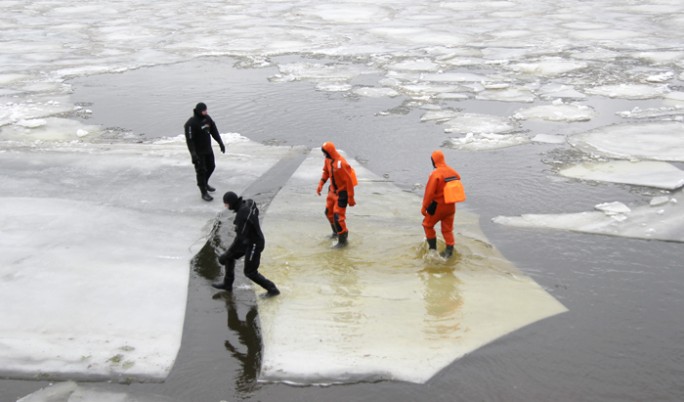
<point>622,340</point>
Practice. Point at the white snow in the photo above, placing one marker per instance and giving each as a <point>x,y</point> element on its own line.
<point>651,141</point>
<point>641,173</point>
<point>94,253</point>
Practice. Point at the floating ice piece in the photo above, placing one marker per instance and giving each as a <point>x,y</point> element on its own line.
<point>674,112</point>
<point>477,123</point>
<point>644,173</point>
<point>664,222</point>
<point>629,91</point>
<point>341,14</point>
<point>72,392</point>
<point>657,201</point>
<point>415,65</point>
<point>613,208</point>
<point>48,129</point>
<point>94,253</point>
<point>377,310</point>
<point>372,92</point>
<point>549,138</point>
<point>485,141</point>
<point>676,97</point>
<point>513,94</point>
<point>653,141</point>
<point>664,57</point>
<point>455,77</point>
<point>660,77</point>
<point>549,66</point>
<point>439,115</point>
<point>556,91</point>
<point>12,111</point>
<point>561,112</point>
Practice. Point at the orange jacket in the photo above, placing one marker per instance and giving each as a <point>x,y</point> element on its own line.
<point>338,170</point>
<point>434,190</point>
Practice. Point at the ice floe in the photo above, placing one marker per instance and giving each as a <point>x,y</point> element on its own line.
<point>377,310</point>
<point>558,111</point>
<point>94,253</point>
<point>657,221</point>
<point>629,91</point>
<point>650,141</point>
<point>641,173</point>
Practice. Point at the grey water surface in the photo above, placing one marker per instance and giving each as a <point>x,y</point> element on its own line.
<point>622,339</point>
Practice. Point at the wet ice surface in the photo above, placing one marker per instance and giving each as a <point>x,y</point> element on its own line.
<point>380,310</point>
<point>492,62</point>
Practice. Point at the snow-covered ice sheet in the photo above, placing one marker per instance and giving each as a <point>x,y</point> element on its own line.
<point>662,141</point>
<point>641,173</point>
<point>661,220</point>
<point>380,309</point>
<point>95,244</point>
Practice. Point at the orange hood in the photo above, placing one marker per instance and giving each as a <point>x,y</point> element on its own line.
<point>330,151</point>
<point>438,159</point>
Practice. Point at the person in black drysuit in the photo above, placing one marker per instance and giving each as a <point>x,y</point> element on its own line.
<point>249,242</point>
<point>199,129</point>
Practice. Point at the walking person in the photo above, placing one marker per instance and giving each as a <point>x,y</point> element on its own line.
<point>442,192</point>
<point>249,242</point>
<point>340,192</point>
<point>199,129</point>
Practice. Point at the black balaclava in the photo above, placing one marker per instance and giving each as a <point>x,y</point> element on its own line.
<point>199,108</point>
<point>232,199</point>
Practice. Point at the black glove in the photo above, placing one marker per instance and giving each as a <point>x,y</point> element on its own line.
<point>223,259</point>
<point>342,199</point>
<point>432,208</point>
<point>194,157</point>
<point>223,148</point>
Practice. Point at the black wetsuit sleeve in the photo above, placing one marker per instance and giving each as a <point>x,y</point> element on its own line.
<point>189,140</point>
<point>214,132</point>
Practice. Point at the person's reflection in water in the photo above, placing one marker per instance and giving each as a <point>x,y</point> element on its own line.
<point>249,338</point>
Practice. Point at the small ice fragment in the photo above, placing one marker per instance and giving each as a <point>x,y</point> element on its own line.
<point>613,208</point>
<point>656,201</point>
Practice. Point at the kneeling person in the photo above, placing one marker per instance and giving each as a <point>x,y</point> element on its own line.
<point>249,242</point>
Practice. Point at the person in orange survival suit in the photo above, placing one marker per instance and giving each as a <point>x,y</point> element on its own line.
<point>340,191</point>
<point>435,208</point>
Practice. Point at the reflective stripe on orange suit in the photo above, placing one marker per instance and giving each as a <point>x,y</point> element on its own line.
<point>434,191</point>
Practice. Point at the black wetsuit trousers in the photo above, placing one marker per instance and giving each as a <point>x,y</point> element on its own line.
<point>252,260</point>
<point>204,167</point>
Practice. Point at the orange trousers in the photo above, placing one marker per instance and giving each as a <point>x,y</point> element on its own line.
<point>445,215</point>
<point>336,215</point>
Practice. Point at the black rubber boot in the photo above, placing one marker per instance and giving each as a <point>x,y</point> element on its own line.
<point>210,188</point>
<point>334,231</point>
<point>207,197</point>
<point>221,286</point>
<point>432,244</point>
<point>342,240</point>
<point>448,252</point>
